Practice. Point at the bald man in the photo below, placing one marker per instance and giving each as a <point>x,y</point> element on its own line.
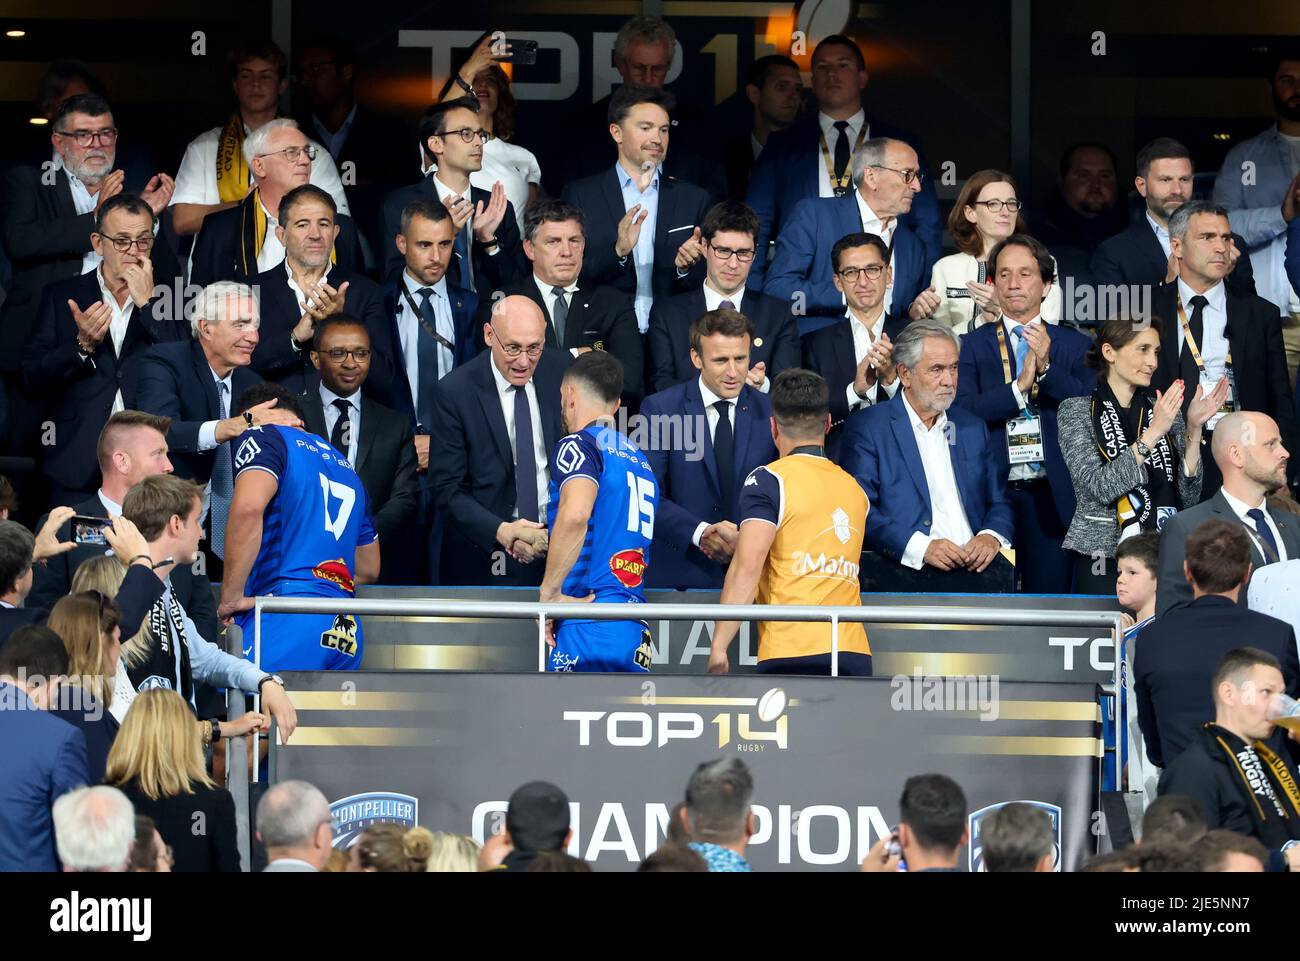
<point>1248,448</point>
<point>496,420</point>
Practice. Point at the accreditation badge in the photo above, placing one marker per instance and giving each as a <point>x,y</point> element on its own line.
<point>1025,440</point>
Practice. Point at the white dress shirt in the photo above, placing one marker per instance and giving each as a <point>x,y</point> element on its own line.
<point>84,203</point>
<point>827,124</point>
<point>113,507</point>
<point>1240,507</point>
<point>208,429</point>
<point>272,251</point>
<point>948,516</point>
<point>1214,320</point>
<point>1162,234</point>
<point>506,394</point>
<point>548,298</point>
<point>120,320</point>
<point>711,413</point>
<point>409,333</point>
<point>327,399</point>
<point>643,254</point>
<point>863,338</point>
<point>872,224</point>
<point>446,195</point>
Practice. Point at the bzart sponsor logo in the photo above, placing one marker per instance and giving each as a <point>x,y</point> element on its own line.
<point>336,572</point>
<point>352,815</point>
<point>629,567</point>
<point>975,820</point>
<point>655,727</point>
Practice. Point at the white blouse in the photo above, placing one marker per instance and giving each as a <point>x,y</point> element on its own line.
<point>957,307</point>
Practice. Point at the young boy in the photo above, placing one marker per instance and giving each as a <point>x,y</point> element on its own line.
<point>1137,560</point>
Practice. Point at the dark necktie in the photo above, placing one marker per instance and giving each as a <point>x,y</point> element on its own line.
<point>841,150</point>
<point>223,483</point>
<point>726,305</point>
<point>426,359</point>
<point>341,435</point>
<point>559,315</point>
<point>525,459</point>
<point>724,452</point>
<point>1265,534</point>
<point>1187,365</point>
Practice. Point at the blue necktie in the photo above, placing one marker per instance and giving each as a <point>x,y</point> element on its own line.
<point>426,359</point>
<point>1022,351</point>
<point>223,484</point>
<point>1265,534</point>
<point>465,250</point>
<point>525,459</point>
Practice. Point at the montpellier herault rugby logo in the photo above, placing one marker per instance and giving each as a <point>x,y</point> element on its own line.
<point>976,848</point>
<point>352,815</point>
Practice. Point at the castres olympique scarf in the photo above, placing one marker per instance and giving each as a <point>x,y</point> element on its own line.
<point>1147,506</point>
<point>1264,778</point>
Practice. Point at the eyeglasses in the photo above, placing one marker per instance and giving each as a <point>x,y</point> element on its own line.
<point>338,353</point>
<point>292,154</point>
<point>908,174</point>
<point>726,253</point>
<point>514,350</point>
<point>995,206</point>
<point>850,274</point>
<point>107,136</point>
<point>467,134</point>
<point>123,244</point>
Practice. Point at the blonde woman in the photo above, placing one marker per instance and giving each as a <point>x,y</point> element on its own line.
<point>988,210</point>
<point>157,762</point>
<point>87,624</point>
<point>453,854</point>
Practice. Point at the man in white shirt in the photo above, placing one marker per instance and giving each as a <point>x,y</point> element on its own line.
<point>257,76</point>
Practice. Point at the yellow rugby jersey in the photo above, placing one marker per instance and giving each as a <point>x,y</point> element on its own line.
<point>820,515</point>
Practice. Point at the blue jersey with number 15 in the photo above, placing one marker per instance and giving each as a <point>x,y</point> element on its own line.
<point>318,517</point>
<point>615,554</point>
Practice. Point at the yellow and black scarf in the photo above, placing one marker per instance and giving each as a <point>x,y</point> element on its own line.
<point>1266,780</point>
<point>233,175</point>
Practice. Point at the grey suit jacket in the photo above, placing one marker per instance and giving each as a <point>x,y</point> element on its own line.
<point>1098,484</point>
<point>1173,588</point>
<point>289,867</point>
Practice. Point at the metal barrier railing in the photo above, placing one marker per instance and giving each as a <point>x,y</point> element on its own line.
<point>237,757</point>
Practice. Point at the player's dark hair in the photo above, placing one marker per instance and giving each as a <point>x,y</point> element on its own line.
<point>1173,818</point>
<point>431,210</point>
<point>855,240</point>
<point>431,124</point>
<point>601,373</point>
<point>34,650</point>
<point>153,502</point>
<point>933,806</point>
<point>629,95</point>
<point>332,321</point>
<point>306,192</point>
<point>261,393</point>
<point>537,817</point>
<point>840,40</point>
<point>552,211</point>
<point>1162,148</point>
<point>130,203</point>
<point>759,71</point>
<point>730,216</point>
<point>16,547</point>
<point>1037,249</point>
<point>1237,662</point>
<point>800,403</point>
<point>724,321</point>
<point>673,858</point>
<point>1145,548</point>
<point>1218,556</point>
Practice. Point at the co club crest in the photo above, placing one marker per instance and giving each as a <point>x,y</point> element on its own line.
<point>976,848</point>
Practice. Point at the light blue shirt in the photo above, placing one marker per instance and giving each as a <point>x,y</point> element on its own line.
<point>327,399</point>
<point>333,142</point>
<point>643,254</point>
<point>409,332</point>
<point>1162,234</point>
<point>209,663</point>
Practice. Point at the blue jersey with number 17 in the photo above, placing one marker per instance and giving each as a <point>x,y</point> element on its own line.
<point>318,517</point>
<point>616,551</point>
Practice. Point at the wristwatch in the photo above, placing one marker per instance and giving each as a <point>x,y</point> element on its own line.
<point>216,730</point>
<point>1143,450</point>
<point>270,677</point>
<point>460,82</point>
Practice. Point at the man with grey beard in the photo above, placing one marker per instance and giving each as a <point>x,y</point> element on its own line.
<point>47,214</point>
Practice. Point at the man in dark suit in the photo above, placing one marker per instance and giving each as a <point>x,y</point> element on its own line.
<point>42,757</point>
<point>579,317</point>
<point>17,555</point>
<point>1015,373</point>
<point>83,356</point>
<point>700,479</point>
<point>241,241</point>
<point>488,254</point>
<point>1180,650</point>
<point>1140,255</point>
<point>643,53</point>
<point>854,355</point>
<point>497,419</point>
<point>1253,462</point>
<point>886,178</point>
<point>377,441</point>
<point>1233,336</point>
<point>729,234</point>
<point>775,89</point>
<point>939,511</point>
<point>131,447</point>
<point>47,215</point>
<point>304,288</point>
<point>813,158</point>
<point>643,227</point>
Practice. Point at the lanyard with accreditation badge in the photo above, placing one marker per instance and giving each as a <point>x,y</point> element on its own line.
<point>419,317</point>
<point>1024,433</point>
<point>840,185</point>
<point>1229,403</point>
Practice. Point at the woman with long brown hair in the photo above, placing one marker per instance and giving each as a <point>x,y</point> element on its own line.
<point>87,623</point>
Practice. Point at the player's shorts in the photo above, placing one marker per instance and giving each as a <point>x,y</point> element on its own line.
<point>305,642</point>
<point>600,646</point>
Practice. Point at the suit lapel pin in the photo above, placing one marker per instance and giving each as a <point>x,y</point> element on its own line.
<point>758,341</point>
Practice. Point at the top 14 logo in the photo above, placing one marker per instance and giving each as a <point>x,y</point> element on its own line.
<point>644,728</point>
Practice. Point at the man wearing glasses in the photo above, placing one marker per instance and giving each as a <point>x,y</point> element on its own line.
<point>886,176</point>
<point>49,214</point>
<point>487,254</point>
<point>82,360</point>
<point>241,242</point>
<point>730,236</point>
<point>496,420</point>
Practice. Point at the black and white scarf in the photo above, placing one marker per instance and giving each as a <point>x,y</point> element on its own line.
<point>157,667</point>
<point>1147,506</point>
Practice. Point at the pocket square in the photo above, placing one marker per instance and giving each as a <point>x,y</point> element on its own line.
<point>674,230</point>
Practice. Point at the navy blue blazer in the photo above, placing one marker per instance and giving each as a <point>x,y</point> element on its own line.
<point>829,351</point>
<point>788,171</point>
<point>176,381</point>
<point>490,271</point>
<point>472,467</point>
<point>689,490</point>
<point>464,304</point>
<point>802,263</point>
<point>12,618</point>
<point>276,360</point>
<point>1134,257</point>
<point>682,207</point>
<point>78,394</point>
<point>982,389</point>
<point>42,758</point>
<point>775,343</point>
<point>879,449</point>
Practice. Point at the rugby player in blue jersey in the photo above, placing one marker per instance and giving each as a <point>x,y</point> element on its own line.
<point>601,516</point>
